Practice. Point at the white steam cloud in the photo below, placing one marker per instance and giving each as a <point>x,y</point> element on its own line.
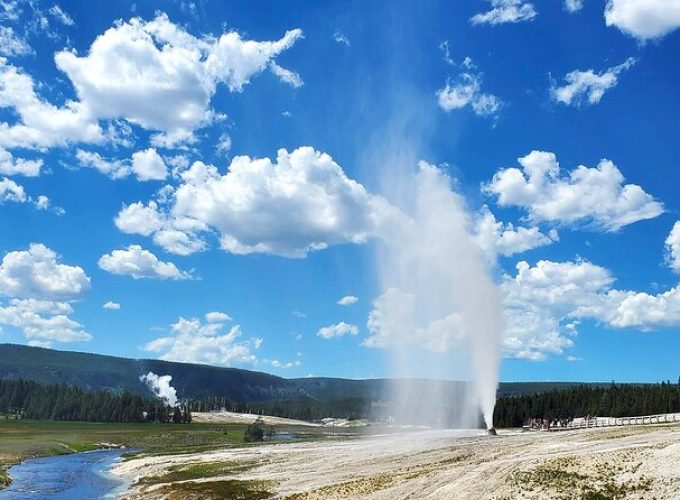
<point>160,385</point>
<point>438,296</point>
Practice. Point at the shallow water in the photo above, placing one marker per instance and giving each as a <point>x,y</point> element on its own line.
<point>73,477</point>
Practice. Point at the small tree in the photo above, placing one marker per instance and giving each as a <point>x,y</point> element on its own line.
<point>255,431</point>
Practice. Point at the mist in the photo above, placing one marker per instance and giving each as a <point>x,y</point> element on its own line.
<point>440,310</point>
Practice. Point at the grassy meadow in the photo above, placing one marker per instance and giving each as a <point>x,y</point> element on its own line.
<point>24,439</point>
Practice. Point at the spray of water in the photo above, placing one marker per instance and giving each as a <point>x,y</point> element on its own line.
<point>440,310</point>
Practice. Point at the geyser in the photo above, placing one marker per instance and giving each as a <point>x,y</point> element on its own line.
<point>440,310</point>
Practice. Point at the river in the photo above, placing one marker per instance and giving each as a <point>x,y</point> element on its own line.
<point>78,476</point>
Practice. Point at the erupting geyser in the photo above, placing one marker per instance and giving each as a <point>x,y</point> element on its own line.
<point>440,309</point>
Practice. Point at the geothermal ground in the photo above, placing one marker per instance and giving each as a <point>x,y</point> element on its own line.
<point>631,462</point>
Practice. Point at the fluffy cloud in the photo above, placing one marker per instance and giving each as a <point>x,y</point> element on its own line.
<point>217,317</point>
<point>130,73</point>
<point>43,320</point>
<point>588,86</point>
<point>506,11</point>
<point>37,288</point>
<point>348,300</point>
<point>37,273</point>
<point>115,169</point>
<point>39,123</point>
<point>545,304</point>
<point>498,238</point>
<point>138,218</point>
<point>9,165</point>
<point>146,165</point>
<point>140,263</point>
<point>337,330</point>
<point>595,196</point>
<point>133,69</point>
<point>573,5</point>
<point>194,342</point>
<point>632,309</point>
<point>10,191</point>
<point>540,303</point>
<point>111,306</point>
<point>643,19</point>
<point>465,90</point>
<point>302,202</point>
<point>673,248</point>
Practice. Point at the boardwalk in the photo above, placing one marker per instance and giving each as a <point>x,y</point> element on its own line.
<point>586,422</point>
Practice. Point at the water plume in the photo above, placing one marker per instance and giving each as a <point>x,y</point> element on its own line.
<point>440,311</point>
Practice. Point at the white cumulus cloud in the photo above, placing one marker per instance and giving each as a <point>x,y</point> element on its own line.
<point>131,72</point>
<point>673,248</point>
<point>466,90</point>
<point>573,5</point>
<point>594,196</point>
<point>588,86</point>
<point>146,165</point>
<point>348,300</point>
<point>135,68</point>
<point>10,191</point>
<point>337,330</point>
<point>192,341</point>
<point>140,263</point>
<point>217,317</point>
<point>300,203</point>
<point>545,304</point>
<point>37,273</point>
<point>35,291</point>
<point>111,306</point>
<point>499,238</point>
<point>643,19</point>
<point>9,165</point>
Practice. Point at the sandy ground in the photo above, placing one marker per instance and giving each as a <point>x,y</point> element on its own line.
<point>631,462</point>
<point>227,417</point>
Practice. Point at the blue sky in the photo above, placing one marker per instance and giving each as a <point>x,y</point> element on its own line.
<point>141,165</point>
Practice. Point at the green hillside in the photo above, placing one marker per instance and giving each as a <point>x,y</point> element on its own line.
<point>192,381</point>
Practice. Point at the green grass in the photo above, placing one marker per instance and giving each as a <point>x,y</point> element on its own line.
<point>200,470</point>
<point>23,439</point>
<point>232,489</point>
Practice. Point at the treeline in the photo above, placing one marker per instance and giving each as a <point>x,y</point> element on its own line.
<point>616,400</point>
<point>33,400</point>
<point>299,409</point>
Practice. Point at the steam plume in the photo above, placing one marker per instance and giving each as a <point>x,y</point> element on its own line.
<point>160,385</point>
<point>438,296</point>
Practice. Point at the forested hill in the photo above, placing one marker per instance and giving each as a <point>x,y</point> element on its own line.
<point>95,371</point>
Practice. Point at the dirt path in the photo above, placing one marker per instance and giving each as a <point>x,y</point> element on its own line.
<point>640,462</point>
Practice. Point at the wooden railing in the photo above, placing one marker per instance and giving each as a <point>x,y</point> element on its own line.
<point>586,423</point>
